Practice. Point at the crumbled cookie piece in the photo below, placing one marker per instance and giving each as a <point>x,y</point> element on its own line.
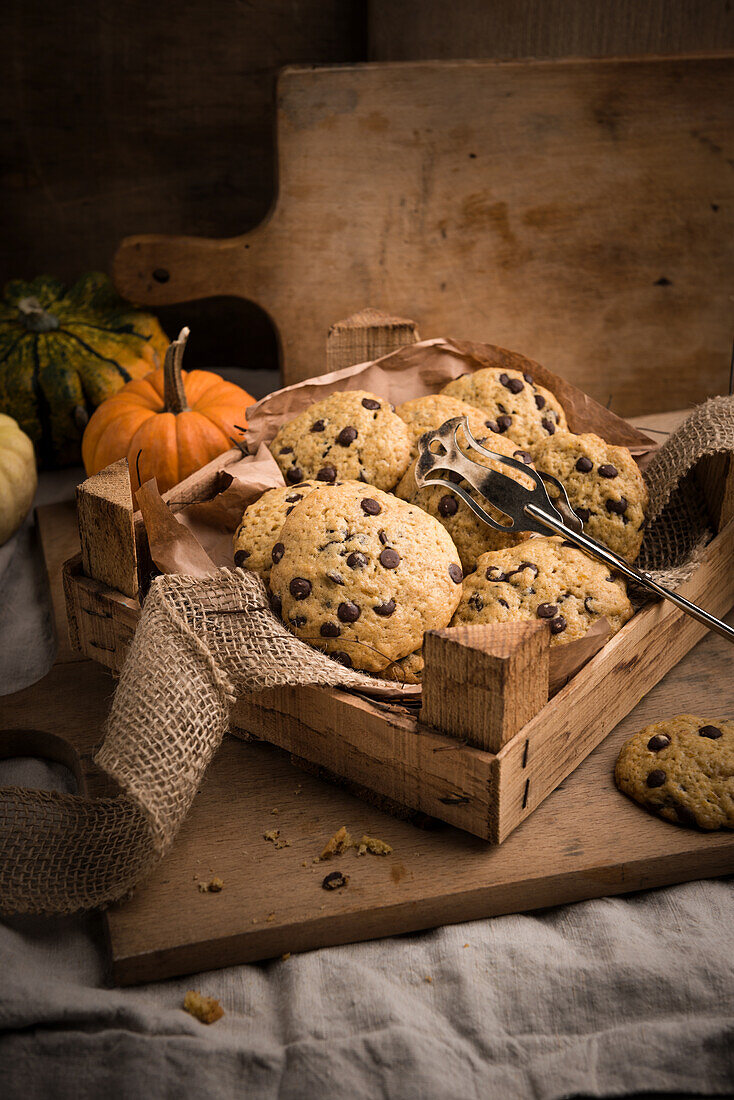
<point>339,843</point>
<point>273,835</point>
<point>374,845</point>
<point>205,1009</point>
<point>214,886</point>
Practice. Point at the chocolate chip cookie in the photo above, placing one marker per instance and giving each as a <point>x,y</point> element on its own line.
<point>471,535</point>
<point>362,575</point>
<point>350,434</point>
<point>548,580</point>
<point>604,486</point>
<point>514,404</point>
<point>682,769</point>
<point>425,414</point>
<point>259,530</point>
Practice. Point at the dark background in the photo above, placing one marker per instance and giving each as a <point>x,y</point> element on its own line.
<point>135,116</point>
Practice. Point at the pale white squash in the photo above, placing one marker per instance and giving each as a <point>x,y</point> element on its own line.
<point>18,477</point>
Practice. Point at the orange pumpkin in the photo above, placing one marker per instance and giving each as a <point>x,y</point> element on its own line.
<point>168,424</point>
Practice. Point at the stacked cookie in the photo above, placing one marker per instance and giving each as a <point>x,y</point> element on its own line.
<point>361,562</point>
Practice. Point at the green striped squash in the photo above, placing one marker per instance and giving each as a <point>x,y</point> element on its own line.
<point>62,352</point>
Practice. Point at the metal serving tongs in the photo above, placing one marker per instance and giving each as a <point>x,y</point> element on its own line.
<point>528,509</point>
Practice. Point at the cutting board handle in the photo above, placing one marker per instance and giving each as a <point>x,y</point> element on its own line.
<point>158,270</point>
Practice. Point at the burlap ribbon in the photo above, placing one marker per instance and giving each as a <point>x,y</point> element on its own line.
<point>198,645</point>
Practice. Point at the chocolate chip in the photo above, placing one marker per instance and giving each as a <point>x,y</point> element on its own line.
<point>241,556</point>
<point>476,601</point>
<point>656,778</point>
<point>357,560</point>
<point>389,558</point>
<point>337,578</point>
<point>448,506</point>
<point>493,426</point>
<point>293,475</point>
<point>330,630</point>
<point>584,464</point>
<point>300,620</point>
<point>658,742</point>
<point>318,426</point>
<point>342,657</point>
<point>539,401</point>
<point>503,603</point>
<point>370,403</point>
<point>276,605</point>
<point>289,510</point>
<point>335,881</point>
<point>523,456</point>
<point>382,536</point>
<point>348,612</point>
<point>712,732</point>
<point>327,474</point>
<point>558,625</point>
<point>515,385</point>
<point>608,470</point>
<point>455,572</point>
<point>286,450</point>
<point>277,552</point>
<point>587,604</point>
<point>346,436</point>
<point>385,609</point>
<point>618,507</point>
<point>548,425</point>
<point>527,565</point>
<point>529,378</point>
<point>546,610</point>
<point>684,815</point>
<point>584,515</point>
<point>295,496</point>
<point>504,422</point>
<point>370,507</point>
<point>501,407</point>
<point>494,573</point>
<point>300,588</point>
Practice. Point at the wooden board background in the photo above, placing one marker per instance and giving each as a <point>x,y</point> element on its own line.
<point>580,212</point>
<point>586,840</point>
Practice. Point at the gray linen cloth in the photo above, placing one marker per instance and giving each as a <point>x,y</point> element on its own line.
<point>605,998</point>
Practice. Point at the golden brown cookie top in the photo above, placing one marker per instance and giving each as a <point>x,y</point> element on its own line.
<point>515,405</point>
<point>350,434</point>
<point>362,575</point>
<point>604,485</point>
<point>682,769</point>
<point>545,579</point>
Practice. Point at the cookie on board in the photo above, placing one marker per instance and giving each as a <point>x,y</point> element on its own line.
<point>350,434</point>
<point>362,575</point>
<point>682,769</point>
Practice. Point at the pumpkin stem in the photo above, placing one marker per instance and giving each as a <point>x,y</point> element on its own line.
<point>34,316</point>
<point>174,394</point>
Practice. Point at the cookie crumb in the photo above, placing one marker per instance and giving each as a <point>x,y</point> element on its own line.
<point>215,886</point>
<point>285,955</point>
<point>273,835</point>
<point>339,843</point>
<point>428,978</point>
<point>374,845</point>
<point>204,1009</point>
<point>335,881</point>
<point>275,810</point>
<point>270,918</point>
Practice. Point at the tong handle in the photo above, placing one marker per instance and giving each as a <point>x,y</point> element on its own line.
<point>603,553</point>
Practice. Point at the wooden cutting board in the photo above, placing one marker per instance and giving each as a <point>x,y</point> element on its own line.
<point>581,212</point>
<point>586,840</point>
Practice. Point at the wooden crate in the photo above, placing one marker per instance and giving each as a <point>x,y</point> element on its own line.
<point>490,741</point>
